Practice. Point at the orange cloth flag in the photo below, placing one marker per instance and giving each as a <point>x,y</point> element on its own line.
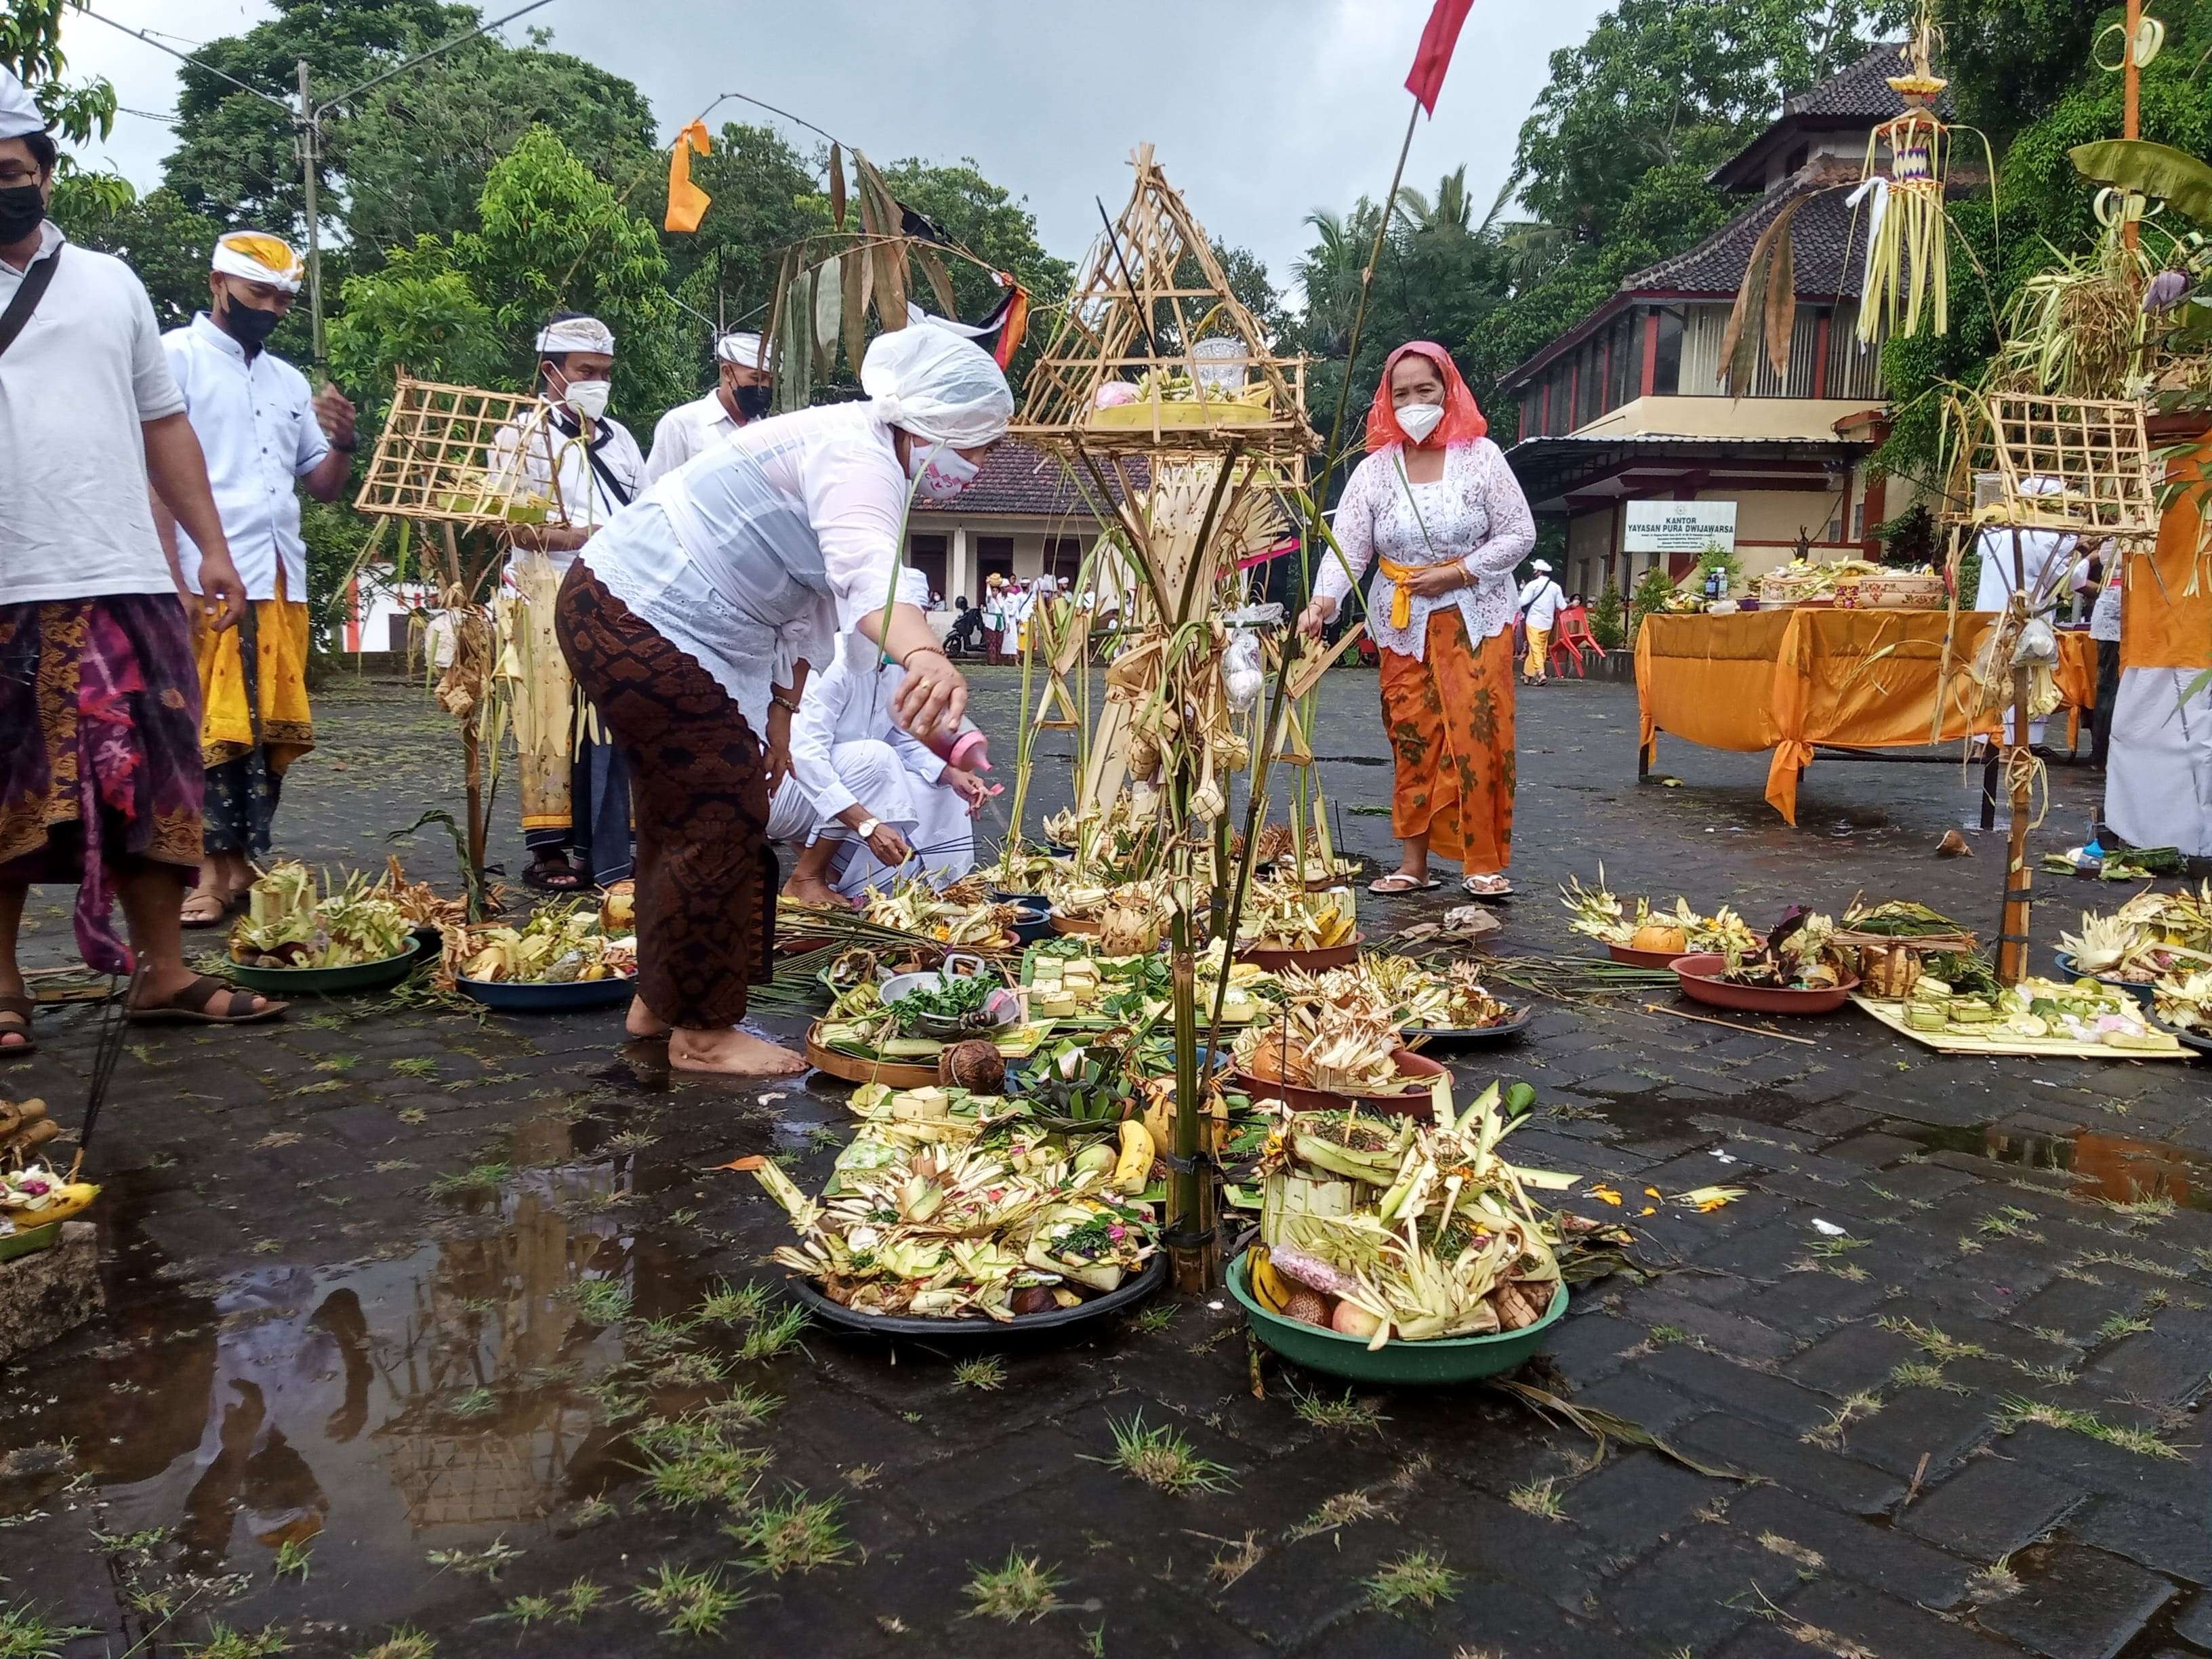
<point>687,203</point>
<point>2166,618</point>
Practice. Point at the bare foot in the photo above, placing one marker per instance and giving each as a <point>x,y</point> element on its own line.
<point>643,1022</point>
<point>806,890</point>
<point>731,1053</point>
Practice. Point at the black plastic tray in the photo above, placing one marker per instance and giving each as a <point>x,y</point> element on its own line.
<point>1470,1036</point>
<point>1126,1296</point>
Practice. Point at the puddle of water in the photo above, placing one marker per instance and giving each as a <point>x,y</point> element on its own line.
<point>2115,1167</point>
<point>378,1409</point>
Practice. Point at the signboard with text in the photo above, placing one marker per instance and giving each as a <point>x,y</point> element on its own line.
<point>1677,526</point>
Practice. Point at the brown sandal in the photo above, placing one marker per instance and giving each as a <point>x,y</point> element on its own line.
<point>21,1007</point>
<point>194,1005</point>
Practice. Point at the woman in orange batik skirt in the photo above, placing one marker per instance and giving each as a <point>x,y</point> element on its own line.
<point>1436,509</point>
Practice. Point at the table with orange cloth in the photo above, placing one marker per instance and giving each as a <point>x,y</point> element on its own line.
<point>1786,680</point>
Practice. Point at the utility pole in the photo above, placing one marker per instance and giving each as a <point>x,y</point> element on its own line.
<point>306,121</point>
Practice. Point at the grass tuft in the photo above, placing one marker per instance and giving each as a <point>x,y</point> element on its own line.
<point>692,1463</point>
<point>770,1336</point>
<point>294,1558</point>
<point>2120,1325</point>
<point>403,1642</point>
<point>600,1301</point>
<point>486,1564</point>
<point>794,1535</point>
<point>731,1305</point>
<point>2014,1411</point>
<point>1162,1459</point>
<point>26,1635</point>
<point>1931,1341</point>
<point>987,1375</point>
<point>224,1642</point>
<point>1416,1578</point>
<point>1808,1560</point>
<point>1539,1498</point>
<point>1022,1589</point>
<point>1920,1374</point>
<point>478,1180</point>
<point>1351,1413</point>
<point>1994,1581</point>
<point>693,1601</point>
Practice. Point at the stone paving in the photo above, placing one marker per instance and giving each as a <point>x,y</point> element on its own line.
<point>396,1287</point>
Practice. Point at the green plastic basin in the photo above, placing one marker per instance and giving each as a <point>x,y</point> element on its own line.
<point>1446,1360</point>
<point>325,981</point>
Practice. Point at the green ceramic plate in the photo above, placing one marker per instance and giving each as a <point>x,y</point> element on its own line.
<point>327,981</point>
<point>1449,1359</point>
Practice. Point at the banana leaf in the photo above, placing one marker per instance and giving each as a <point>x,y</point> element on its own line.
<point>2172,175</point>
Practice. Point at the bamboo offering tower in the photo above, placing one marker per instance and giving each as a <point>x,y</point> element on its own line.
<point>456,462</point>
<point>2031,465</point>
<point>1160,391</point>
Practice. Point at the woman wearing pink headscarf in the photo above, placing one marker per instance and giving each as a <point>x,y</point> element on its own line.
<point>1435,509</point>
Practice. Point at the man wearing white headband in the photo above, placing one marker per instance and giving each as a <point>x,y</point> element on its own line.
<point>886,801</point>
<point>742,392</point>
<point>691,620</point>
<point>261,429</point>
<point>586,466</point>
<point>100,781</point>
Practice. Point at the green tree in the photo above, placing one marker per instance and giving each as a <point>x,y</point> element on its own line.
<point>553,236</point>
<point>157,236</point>
<point>80,111</point>
<point>418,312</point>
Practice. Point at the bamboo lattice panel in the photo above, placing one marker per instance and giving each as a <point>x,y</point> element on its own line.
<point>435,457</point>
<point>1150,294</point>
<point>2083,465</point>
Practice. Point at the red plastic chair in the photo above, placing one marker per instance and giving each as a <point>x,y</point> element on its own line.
<point>1570,638</point>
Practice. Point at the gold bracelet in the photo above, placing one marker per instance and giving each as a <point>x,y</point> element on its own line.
<point>938,650</point>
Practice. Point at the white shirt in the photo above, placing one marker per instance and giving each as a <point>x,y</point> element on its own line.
<point>2105,620</point>
<point>2043,554</point>
<point>256,427</point>
<point>687,430</point>
<point>1475,515</point>
<point>82,377</point>
<point>528,467</point>
<point>1540,600</point>
<point>761,552</point>
<point>851,703</point>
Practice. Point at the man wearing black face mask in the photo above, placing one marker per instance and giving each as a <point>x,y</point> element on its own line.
<point>261,429</point>
<point>743,393</point>
<point>100,781</point>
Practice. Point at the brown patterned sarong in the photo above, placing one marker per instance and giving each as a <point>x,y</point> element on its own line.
<point>706,873</point>
<point>100,725</point>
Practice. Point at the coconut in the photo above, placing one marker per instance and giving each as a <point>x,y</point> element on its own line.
<point>975,1066</point>
<point>1657,936</point>
<point>1308,1307</point>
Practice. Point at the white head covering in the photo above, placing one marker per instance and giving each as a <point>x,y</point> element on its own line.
<point>938,386</point>
<point>743,349</point>
<point>255,256</point>
<point>19,116</point>
<point>914,588</point>
<point>1542,566</point>
<point>575,334</point>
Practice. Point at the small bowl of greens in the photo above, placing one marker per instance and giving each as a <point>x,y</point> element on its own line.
<point>948,1006</point>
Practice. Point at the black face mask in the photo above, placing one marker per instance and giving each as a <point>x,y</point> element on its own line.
<point>21,208</point>
<point>753,402</point>
<point>250,325</point>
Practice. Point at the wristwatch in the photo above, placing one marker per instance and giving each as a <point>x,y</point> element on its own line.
<point>867,827</point>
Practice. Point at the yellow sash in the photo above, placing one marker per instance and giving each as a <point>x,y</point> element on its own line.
<point>1401,602</point>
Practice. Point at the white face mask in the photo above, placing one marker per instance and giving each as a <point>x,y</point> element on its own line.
<point>943,473</point>
<point>588,397</point>
<point>1419,420</point>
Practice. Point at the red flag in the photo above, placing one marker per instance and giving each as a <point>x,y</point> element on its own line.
<point>1434,57</point>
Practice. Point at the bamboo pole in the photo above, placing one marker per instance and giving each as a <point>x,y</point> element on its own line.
<point>2013,933</point>
<point>2132,105</point>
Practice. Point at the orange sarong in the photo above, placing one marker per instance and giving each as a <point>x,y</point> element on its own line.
<point>1449,717</point>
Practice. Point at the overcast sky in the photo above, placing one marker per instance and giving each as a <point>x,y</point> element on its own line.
<point>1261,110</point>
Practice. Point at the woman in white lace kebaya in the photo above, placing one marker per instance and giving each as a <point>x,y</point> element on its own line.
<point>1436,509</point>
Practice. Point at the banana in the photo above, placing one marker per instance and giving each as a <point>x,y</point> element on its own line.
<point>1267,1287</point>
<point>1135,1168</point>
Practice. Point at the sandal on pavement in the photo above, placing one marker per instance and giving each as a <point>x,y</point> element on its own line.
<point>547,876</point>
<point>195,1005</point>
<point>205,909</point>
<point>1400,881</point>
<point>15,1019</point>
<point>1486,888</point>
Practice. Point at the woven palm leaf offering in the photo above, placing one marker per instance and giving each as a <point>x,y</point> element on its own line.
<point>288,923</point>
<point>1408,993</point>
<point>954,1204</point>
<point>565,943</point>
<point>1388,1230</point>
<point>1650,929</point>
<point>969,920</point>
<point>2152,938</point>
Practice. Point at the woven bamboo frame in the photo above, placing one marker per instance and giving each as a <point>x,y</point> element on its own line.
<point>1129,289</point>
<point>433,459</point>
<point>2097,449</point>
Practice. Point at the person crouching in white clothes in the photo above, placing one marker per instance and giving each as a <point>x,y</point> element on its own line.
<point>883,801</point>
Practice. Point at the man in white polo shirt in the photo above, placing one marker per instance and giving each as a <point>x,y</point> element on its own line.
<point>261,429</point>
<point>1541,599</point>
<point>742,392</point>
<point>99,706</point>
